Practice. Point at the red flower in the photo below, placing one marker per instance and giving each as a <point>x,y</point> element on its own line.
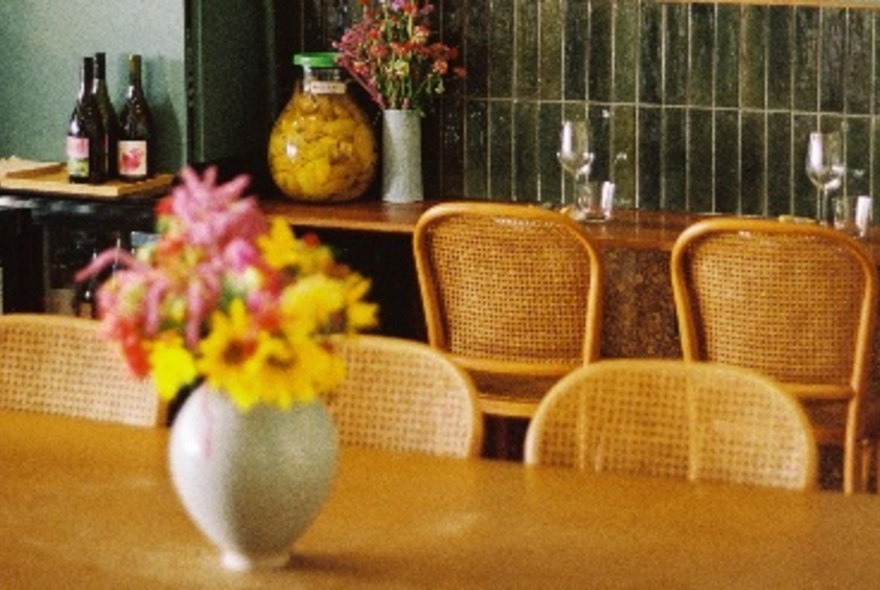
<point>388,53</point>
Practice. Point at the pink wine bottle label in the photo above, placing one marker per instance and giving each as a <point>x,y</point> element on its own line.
<point>78,157</point>
<point>132,158</point>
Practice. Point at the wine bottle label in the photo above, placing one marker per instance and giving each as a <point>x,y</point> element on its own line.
<point>324,87</point>
<point>78,157</point>
<point>132,158</point>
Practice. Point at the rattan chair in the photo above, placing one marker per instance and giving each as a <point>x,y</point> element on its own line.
<point>677,419</point>
<point>402,395</point>
<point>796,302</point>
<point>62,365</point>
<point>513,293</point>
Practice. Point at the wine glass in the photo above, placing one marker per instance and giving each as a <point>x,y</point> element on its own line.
<point>824,168</point>
<point>576,159</point>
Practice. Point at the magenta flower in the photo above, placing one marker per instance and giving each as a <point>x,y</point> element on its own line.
<point>204,301</point>
<point>389,54</point>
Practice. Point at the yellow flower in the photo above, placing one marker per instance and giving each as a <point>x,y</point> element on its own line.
<point>310,303</point>
<point>293,372</point>
<point>173,365</point>
<point>361,315</point>
<point>224,298</point>
<point>225,352</point>
<point>279,246</point>
<point>282,250</point>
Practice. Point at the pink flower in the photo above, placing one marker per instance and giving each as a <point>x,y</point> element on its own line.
<point>389,55</point>
<point>211,286</point>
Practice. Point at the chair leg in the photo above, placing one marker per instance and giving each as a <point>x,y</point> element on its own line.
<point>852,469</point>
<point>869,456</point>
<point>504,437</point>
<point>873,462</point>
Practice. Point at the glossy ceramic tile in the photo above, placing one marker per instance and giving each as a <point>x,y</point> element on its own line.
<point>704,107</point>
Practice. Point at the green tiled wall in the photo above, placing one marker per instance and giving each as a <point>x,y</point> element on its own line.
<point>698,107</point>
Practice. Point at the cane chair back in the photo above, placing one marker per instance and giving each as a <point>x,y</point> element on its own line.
<point>796,302</point>
<point>677,419</point>
<point>62,365</point>
<point>513,293</point>
<point>402,395</point>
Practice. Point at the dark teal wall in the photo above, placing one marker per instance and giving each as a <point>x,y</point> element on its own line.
<point>41,44</point>
<point>206,71</point>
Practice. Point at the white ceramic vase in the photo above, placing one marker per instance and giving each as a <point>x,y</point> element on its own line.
<point>401,156</point>
<point>252,481</point>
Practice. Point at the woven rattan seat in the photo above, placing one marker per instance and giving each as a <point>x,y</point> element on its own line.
<point>62,365</point>
<point>513,294</point>
<point>402,395</point>
<point>796,302</point>
<point>677,419</point>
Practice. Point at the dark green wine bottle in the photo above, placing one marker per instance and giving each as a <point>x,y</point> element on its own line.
<point>108,113</point>
<point>86,138</point>
<point>135,128</point>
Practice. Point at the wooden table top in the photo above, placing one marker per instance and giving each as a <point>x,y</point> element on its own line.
<point>89,505</point>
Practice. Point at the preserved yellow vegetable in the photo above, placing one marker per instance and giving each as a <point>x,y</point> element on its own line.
<point>322,147</point>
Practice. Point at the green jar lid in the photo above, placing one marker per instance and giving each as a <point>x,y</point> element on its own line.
<point>325,59</point>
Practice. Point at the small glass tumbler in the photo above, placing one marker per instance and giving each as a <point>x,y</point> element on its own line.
<point>595,204</point>
<point>852,215</point>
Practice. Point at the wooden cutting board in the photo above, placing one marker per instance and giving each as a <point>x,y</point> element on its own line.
<point>53,180</point>
<point>22,168</point>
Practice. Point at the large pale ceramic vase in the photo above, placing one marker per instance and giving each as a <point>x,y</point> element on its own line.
<point>401,156</point>
<point>252,481</point>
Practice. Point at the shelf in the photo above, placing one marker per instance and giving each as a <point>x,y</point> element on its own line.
<point>858,4</point>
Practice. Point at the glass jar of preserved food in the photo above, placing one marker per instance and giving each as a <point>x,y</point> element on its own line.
<point>322,147</point>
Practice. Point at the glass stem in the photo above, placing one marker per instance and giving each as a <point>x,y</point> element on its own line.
<point>824,209</point>
<point>584,194</point>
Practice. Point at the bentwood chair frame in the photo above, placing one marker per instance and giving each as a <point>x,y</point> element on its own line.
<point>678,419</point>
<point>513,294</point>
<point>402,395</point>
<point>796,302</point>
<point>62,365</point>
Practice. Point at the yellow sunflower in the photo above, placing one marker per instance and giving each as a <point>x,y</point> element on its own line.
<point>173,365</point>
<point>225,352</point>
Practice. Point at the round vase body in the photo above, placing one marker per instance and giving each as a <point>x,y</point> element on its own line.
<point>254,480</point>
<point>322,147</point>
<point>402,156</point>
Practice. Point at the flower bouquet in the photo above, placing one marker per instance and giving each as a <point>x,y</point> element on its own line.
<point>227,297</point>
<point>390,53</point>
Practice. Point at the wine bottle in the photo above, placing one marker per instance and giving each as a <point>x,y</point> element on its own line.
<point>86,138</point>
<point>84,299</point>
<point>135,128</point>
<point>108,113</point>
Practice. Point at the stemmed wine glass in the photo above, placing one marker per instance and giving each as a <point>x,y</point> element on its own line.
<point>825,168</point>
<point>576,159</point>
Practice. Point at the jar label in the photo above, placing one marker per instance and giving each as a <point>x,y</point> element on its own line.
<point>78,156</point>
<point>324,87</point>
<point>132,158</point>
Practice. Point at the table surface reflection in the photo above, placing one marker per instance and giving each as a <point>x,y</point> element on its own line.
<point>90,505</point>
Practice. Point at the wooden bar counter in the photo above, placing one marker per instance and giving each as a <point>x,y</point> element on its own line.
<point>648,230</point>
<point>639,314</point>
<point>375,238</point>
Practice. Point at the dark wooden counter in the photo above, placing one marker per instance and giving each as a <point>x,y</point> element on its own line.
<point>646,230</point>
<point>654,230</point>
<point>370,216</point>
